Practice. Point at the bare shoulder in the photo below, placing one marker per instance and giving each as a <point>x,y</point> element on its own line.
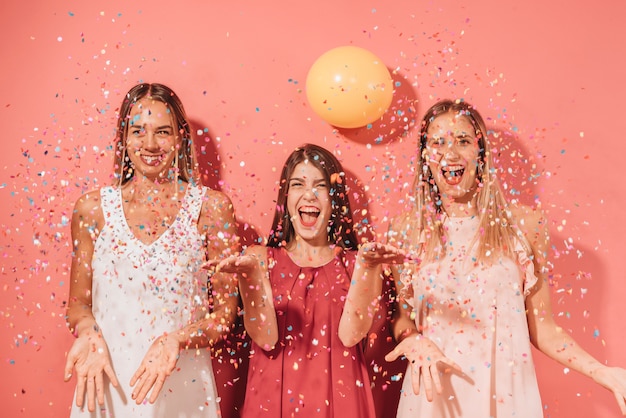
<point>87,219</point>
<point>215,197</point>
<point>531,222</point>
<point>216,200</point>
<point>216,207</point>
<point>88,207</point>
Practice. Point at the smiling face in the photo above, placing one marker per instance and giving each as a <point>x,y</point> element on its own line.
<point>452,154</point>
<point>151,139</point>
<point>337,213</point>
<point>308,203</point>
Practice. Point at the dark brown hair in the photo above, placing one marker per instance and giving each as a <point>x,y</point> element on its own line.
<point>186,158</point>
<point>340,226</point>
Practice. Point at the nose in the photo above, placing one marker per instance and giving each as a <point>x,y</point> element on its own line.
<point>150,141</point>
<point>449,149</point>
<point>310,193</point>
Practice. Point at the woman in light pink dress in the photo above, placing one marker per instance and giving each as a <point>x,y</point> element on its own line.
<point>474,291</point>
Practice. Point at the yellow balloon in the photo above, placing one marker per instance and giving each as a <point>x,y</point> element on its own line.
<point>349,87</point>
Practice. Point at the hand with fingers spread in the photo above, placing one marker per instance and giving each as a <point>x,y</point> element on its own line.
<point>89,357</point>
<point>156,366</point>
<point>365,289</point>
<point>243,265</point>
<point>374,253</point>
<point>255,289</point>
<point>427,362</point>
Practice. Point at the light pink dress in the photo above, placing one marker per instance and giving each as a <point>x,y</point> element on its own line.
<point>475,313</point>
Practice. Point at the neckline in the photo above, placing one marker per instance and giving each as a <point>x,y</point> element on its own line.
<point>445,216</point>
<point>130,232</point>
<point>327,262</point>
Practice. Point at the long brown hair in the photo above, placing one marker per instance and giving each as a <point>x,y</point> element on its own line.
<point>340,226</point>
<point>186,169</point>
<point>496,228</point>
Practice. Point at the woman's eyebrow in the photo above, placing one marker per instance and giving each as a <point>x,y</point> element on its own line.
<point>134,125</point>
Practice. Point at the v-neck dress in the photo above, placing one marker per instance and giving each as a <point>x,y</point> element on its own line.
<point>475,313</point>
<point>141,291</point>
<point>310,373</point>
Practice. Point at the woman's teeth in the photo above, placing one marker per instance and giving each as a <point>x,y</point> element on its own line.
<point>309,216</point>
<point>453,171</point>
<point>151,159</point>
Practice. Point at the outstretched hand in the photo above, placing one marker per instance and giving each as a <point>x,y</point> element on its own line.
<point>614,379</point>
<point>374,253</point>
<point>89,356</point>
<point>156,366</point>
<point>240,264</point>
<point>426,361</point>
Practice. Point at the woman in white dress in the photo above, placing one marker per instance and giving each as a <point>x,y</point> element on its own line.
<point>142,309</point>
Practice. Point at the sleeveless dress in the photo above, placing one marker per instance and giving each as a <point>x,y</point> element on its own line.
<point>310,373</point>
<point>476,314</point>
<point>141,291</point>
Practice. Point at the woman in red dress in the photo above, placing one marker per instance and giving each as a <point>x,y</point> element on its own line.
<point>309,298</point>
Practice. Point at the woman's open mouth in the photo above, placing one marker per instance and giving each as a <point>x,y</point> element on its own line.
<point>308,216</point>
<point>151,160</point>
<point>453,173</point>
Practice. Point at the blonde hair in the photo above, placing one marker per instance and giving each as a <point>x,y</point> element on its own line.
<point>424,222</point>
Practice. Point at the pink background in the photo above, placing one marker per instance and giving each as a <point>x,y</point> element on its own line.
<point>548,75</point>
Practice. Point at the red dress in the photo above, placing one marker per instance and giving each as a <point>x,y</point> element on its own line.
<point>310,373</point>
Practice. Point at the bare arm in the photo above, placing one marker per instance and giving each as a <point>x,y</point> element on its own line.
<point>427,361</point>
<point>364,292</point>
<point>403,320</point>
<point>86,220</point>
<point>89,355</point>
<point>259,315</point>
<point>217,220</point>
<point>545,334</point>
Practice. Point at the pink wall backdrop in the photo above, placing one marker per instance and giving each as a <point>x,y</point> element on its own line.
<point>548,75</point>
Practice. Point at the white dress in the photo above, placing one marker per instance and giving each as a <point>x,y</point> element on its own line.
<point>475,313</point>
<point>141,291</point>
